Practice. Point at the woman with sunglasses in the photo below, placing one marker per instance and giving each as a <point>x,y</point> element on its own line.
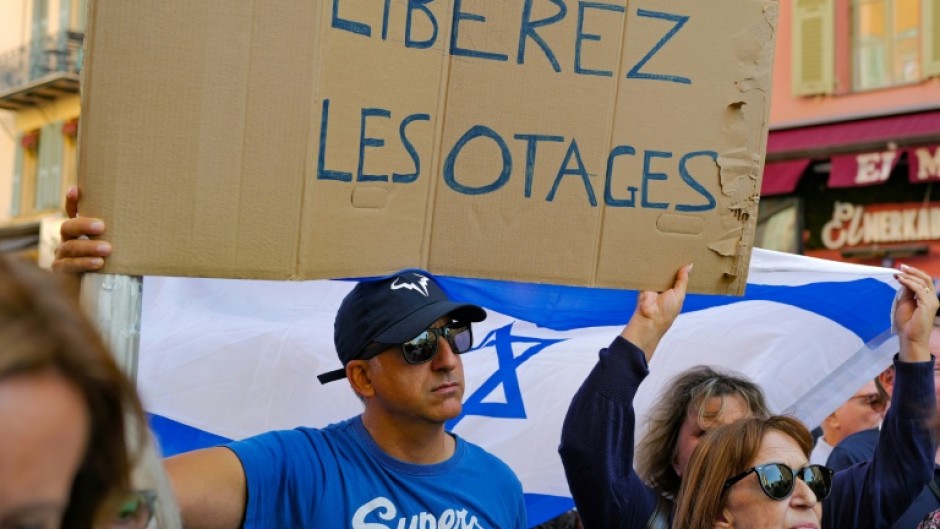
<point>597,444</point>
<point>754,473</point>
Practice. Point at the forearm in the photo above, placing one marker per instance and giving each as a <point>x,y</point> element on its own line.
<point>655,314</point>
<point>210,488</point>
<point>644,334</point>
<point>912,352</point>
<point>597,442</point>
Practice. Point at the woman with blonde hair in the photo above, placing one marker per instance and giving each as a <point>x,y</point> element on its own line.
<point>753,473</point>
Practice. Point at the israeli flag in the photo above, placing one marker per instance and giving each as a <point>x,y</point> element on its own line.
<point>227,359</point>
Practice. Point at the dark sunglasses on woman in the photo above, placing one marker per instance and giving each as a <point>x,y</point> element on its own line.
<point>778,480</point>
<point>423,347</point>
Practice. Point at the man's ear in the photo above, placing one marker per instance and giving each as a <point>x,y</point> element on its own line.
<point>724,520</point>
<point>886,378</point>
<point>360,378</point>
<point>831,421</point>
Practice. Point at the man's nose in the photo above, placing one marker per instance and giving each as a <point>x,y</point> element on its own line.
<point>445,359</point>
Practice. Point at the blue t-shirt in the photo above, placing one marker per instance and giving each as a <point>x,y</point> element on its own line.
<point>338,477</point>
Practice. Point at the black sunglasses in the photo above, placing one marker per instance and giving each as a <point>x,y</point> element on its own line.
<point>777,480</point>
<point>423,347</point>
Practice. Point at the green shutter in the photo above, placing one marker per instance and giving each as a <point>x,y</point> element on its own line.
<point>40,19</point>
<point>813,47</point>
<point>17,196</point>
<point>49,179</point>
<point>42,166</point>
<point>40,27</point>
<point>65,15</point>
<point>62,39</point>
<point>54,198</point>
<point>931,38</point>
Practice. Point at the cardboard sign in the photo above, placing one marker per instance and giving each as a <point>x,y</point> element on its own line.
<point>553,141</point>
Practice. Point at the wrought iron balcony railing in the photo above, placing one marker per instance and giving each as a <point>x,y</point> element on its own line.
<point>27,65</point>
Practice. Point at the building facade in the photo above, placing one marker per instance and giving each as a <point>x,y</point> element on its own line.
<point>40,66</point>
<point>853,154</point>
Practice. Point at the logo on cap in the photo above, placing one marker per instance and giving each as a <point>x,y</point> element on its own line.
<point>420,287</point>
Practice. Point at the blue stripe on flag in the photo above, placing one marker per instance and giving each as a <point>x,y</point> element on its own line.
<point>176,438</point>
<point>564,308</point>
<point>541,508</point>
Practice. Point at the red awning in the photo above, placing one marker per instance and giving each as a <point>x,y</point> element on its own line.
<point>859,135</point>
<point>780,178</point>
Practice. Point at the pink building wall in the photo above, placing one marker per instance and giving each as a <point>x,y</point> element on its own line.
<point>787,110</point>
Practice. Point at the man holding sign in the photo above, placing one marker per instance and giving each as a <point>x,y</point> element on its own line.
<point>394,465</point>
<point>399,340</point>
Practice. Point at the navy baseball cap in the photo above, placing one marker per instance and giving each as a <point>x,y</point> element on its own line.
<point>391,311</point>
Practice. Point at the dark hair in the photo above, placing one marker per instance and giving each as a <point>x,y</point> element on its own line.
<point>724,452</point>
<point>43,329</point>
<point>656,452</point>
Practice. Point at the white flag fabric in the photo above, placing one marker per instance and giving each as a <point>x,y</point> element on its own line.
<point>227,359</point>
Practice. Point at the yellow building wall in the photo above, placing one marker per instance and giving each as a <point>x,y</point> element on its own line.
<point>13,33</point>
<point>16,28</point>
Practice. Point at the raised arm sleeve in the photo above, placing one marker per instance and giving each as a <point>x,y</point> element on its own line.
<point>597,443</point>
<point>876,493</point>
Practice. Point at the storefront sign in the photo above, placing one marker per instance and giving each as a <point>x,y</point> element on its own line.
<point>863,169</point>
<point>924,163</point>
<point>872,168</point>
<point>852,224</point>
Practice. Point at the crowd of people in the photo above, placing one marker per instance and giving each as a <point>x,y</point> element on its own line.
<point>75,451</point>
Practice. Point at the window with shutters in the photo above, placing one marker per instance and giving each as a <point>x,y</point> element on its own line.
<point>39,174</point>
<point>813,47</point>
<point>887,45</point>
<point>24,173</point>
<point>931,37</point>
<point>49,175</point>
